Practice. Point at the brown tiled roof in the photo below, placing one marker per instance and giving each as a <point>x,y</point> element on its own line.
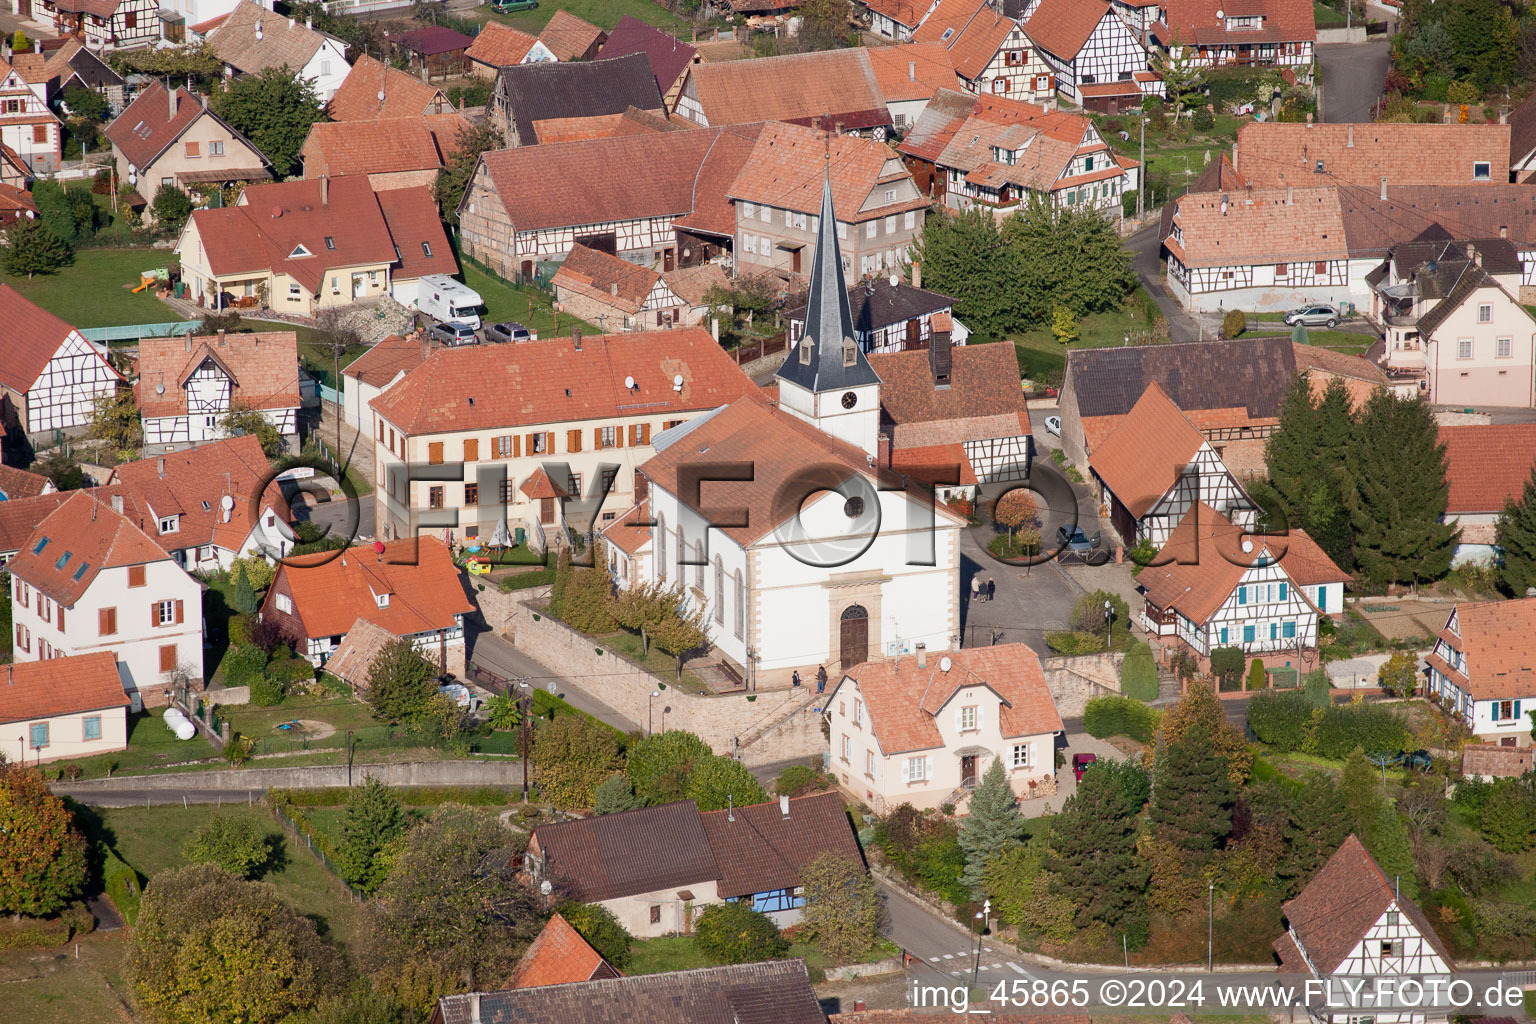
<point>146,128</point>
<point>593,181</point>
<point>903,12</point>
<point>1374,225</point>
<point>668,55</point>
<point>762,847</point>
<point>433,40</point>
<point>1260,226</point>
<point>263,367</point>
<point>383,146</point>
<point>1196,21</point>
<point>1496,760</point>
<point>1522,131</point>
<point>550,381</point>
<point>15,200</point>
<point>693,284</point>
<point>630,121</point>
<point>284,41</point>
<point>776,992</point>
<point>381,363</point>
<point>1041,166</point>
<point>1273,154</point>
<point>75,542</point>
<point>983,391</point>
<point>20,516</point>
<point>937,124</point>
<point>569,37</point>
<point>61,686</point>
<point>416,228</point>
<point>608,279</point>
<point>1064,26</point>
<point>616,855</point>
<point>544,91</point>
<point>357,98</point>
<point>18,483</point>
<point>1148,451</point>
<point>331,592</point>
<point>1218,176</point>
<point>1498,639</point>
<point>904,700</point>
<point>193,484</point>
<point>1328,363</point>
<point>789,165</point>
<point>354,656</point>
<point>499,45</point>
<point>913,71</point>
<point>1487,464</point>
<point>625,532</point>
<point>559,956</point>
<point>539,485</point>
<point>976,28</point>
<point>838,85</point>
<point>1342,901</point>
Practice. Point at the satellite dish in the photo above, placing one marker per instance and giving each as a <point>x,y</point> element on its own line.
<point>160,388</point>
<point>629,382</point>
<point>677,382</point>
<point>894,280</point>
<point>132,169</point>
<point>945,664</point>
<point>381,95</point>
<point>1247,546</point>
<point>1220,15</point>
<point>227,503</point>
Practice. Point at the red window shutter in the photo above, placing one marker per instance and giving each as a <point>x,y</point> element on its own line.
<point>531,446</point>
<point>154,613</point>
<point>61,618</point>
<point>178,612</point>
<point>645,433</point>
<point>517,446</point>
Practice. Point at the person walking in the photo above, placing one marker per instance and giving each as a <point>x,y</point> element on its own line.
<point>991,588</point>
<point>821,679</point>
<point>794,680</point>
<point>975,588</point>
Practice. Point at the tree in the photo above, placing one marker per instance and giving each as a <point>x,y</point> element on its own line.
<point>824,23</point>
<point>19,43</point>
<point>453,179</point>
<point>62,468</point>
<point>721,782</point>
<point>32,248</point>
<point>842,906</point>
<point>571,756</point>
<point>991,826</point>
<point>1064,325</point>
<point>1200,706</point>
<point>242,420</point>
<point>1069,256</point>
<point>275,109</point>
<point>244,599</point>
<point>588,600</point>
<point>660,765</point>
<point>373,822</point>
<point>1310,819</point>
<point>1508,818</point>
<point>734,933</point>
<point>1515,536</point>
<point>1257,680</point>
<point>964,256</point>
<point>42,860</point>
<point>115,419</point>
<point>1192,795</point>
<point>1399,676</point>
<point>69,213</point>
<point>615,794</point>
<point>1181,76</point>
<point>171,207</point>
<point>1025,895</point>
<point>400,683</point>
<point>86,103</point>
<point>565,572</point>
<point>601,929</point>
<point>1016,509</point>
<point>1088,614</point>
<point>1388,842</point>
<point>452,906</point>
<point>210,947</point>
<point>682,632</point>
<point>234,842</point>
<point>1093,859</point>
<point>639,607</point>
<point>1398,492</point>
<point>1138,673</point>
<point>503,713</point>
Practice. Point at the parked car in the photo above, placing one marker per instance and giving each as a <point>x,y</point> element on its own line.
<point>1053,425</point>
<point>508,332</point>
<point>1080,763</point>
<point>453,334</point>
<point>1072,538</point>
<point>1313,316</point>
<point>1418,760</point>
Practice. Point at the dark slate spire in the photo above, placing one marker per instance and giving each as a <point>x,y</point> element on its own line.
<point>827,357</point>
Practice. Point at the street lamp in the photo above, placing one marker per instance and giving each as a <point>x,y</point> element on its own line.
<point>984,916</point>
<point>525,702</point>
<point>1109,623</point>
<point>648,706</point>
<point>1210,930</point>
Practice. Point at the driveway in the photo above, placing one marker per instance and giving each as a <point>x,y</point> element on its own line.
<point>1351,76</point>
<point>1146,249</point>
<point>1077,742</point>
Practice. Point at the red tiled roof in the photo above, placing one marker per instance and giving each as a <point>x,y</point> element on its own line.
<point>626,533</point>
<point>331,592</point>
<point>1148,451</point>
<point>559,956</point>
<point>263,367</point>
<point>32,337</point>
<point>669,56</point>
<point>1487,464</point>
<point>61,686</point>
<point>983,387</point>
<point>383,146</point>
<point>1195,21</point>
<point>13,199</point>
<point>75,542</point>
<point>551,381</point>
<point>972,30</point>
<point>384,361</point>
<point>789,164</point>
<point>1064,26</point>
<point>1497,638</point>
<point>607,279</point>
<point>762,847</point>
<point>913,71</point>
<point>357,98</point>
<point>18,483</point>
<point>835,85</point>
<point>20,516</point>
<point>934,464</point>
<point>499,45</point>
<point>539,485</point>
<point>569,37</point>
<point>416,228</point>
<point>1276,225</point>
<point>904,700</point>
<point>1273,154</point>
<point>903,12</point>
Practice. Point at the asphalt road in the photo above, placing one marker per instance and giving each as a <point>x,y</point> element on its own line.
<point>494,654</point>
<point>1145,247</point>
<point>1351,75</point>
<point>148,797</point>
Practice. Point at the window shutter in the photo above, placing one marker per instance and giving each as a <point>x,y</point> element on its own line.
<point>549,442</point>
<point>435,453</point>
<point>618,436</point>
<point>573,440</point>
<point>927,767</point>
<point>645,433</point>
<point>1283,590</point>
<point>1517,710</point>
<point>154,613</point>
<point>104,623</point>
<point>1242,595</point>
<point>178,612</point>
<point>959,722</point>
<point>981,716</point>
<point>517,446</point>
<point>597,438</point>
<point>61,618</point>
<point>530,443</point>
<point>472,450</point>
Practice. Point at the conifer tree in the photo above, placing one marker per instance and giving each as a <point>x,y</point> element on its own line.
<point>1093,843</point>
<point>1515,536</point>
<point>244,599</point>
<point>1398,494</point>
<point>992,824</point>
<point>1192,795</point>
<point>373,820</point>
<point>1290,454</point>
<point>1389,843</point>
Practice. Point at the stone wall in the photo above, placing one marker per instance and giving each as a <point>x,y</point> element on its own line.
<point>255,780</point>
<point>228,695</point>
<point>1073,680</point>
<point>760,728</point>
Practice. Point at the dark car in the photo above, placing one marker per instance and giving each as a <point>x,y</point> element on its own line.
<point>1080,763</point>
<point>1071,538</point>
<point>507,332</point>
<point>1418,760</point>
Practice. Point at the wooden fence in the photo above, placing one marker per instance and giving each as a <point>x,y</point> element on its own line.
<point>744,354</point>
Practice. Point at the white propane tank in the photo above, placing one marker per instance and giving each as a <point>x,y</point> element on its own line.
<point>179,724</point>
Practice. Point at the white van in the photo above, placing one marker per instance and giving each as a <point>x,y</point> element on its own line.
<point>450,301</point>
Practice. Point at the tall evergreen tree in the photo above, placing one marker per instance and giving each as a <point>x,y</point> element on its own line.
<point>1389,843</point>
<point>1360,792</point>
<point>992,824</point>
<point>1515,536</point>
<point>1290,454</point>
<point>1398,494</point>
<point>373,820</point>
<point>1326,521</point>
<point>1093,844</point>
<point>1315,823</point>
<point>244,599</point>
<point>964,256</point>
<point>1192,796</point>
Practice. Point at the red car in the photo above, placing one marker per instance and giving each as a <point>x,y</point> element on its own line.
<point>1080,763</point>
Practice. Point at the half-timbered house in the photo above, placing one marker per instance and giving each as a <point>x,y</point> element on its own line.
<point>1097,59</point>
<point>568,37</point>
<point>526,94</point>
<point>50,374</point>
<point>51,72</point>
<point>1154,467</point>
<point>909,75</point>
<point>618,295</point>
<point>1481,667</point>
<point>897,19</point>
<point>187,386</point>
<point>1215,584</point>
<point>990,51</point>
<point>834,89</point>
<point>1354,930</point>
<point>1215,33</point>
<point>104,24</point>
<point>27,126</point>
<point>890,315</point>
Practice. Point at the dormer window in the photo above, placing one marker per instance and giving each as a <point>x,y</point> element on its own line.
<point>850,352</point>
<point>382,600</point>
<point>946,36</point>
<point>330,243</point>
<point>298,251</point>
<point>426,248</point>
<point>806,344</point>
<point>170,524</point>
<point>1004,156</point>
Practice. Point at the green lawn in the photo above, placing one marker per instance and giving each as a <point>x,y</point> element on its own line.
<point>150,744</point>
<point>657,662</point>
<point>96,290</point>
<point>682,953</point>
<point>1043,357</point>
<point>527,306</point>
<point>339,712</point>
<point>602,13</point>
<point>1326,17</point>
<point>151,838</point>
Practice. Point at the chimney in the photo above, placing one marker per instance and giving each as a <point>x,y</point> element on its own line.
<point>1503,117</point>
<point>940,357</point>
<point>912,70</point>
<point>917,275</point>
<point>256,340</point>
<point>714,327</point>
<point>189,341</point>
<point>837,126</point>
<point>784,806</point>
<point>1471,252</point>
<point>117,503</point>
<point>221,337</point>
<point>160,466</point>
<point>309,23</point>
<point>170,97</point>
<point>1351,137</point>
<point>1383,188</point>
<point>922,655</point>
<point>474,1008</point>
<point>325,190</point>
<point>1503,230</point>
<point>613,289</point>
<point>8,670</point>
<point>576,337</point>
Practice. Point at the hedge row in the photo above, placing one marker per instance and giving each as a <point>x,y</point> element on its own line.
<point>411,796</point>
<point>1120,716</point>
<point>1291,721</point>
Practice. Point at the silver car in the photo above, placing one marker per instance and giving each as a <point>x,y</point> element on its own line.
<point>1313,316</point>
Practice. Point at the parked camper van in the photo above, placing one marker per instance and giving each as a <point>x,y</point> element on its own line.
<point>450,301</point>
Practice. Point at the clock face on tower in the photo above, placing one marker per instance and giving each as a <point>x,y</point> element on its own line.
<point>850,399</point>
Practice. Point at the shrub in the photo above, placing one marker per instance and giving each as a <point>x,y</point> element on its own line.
<point>1463,92</point>
<point>1398,676</point>
<point>601,929</point>
<point>801,778</point>
<point>258,570</point>
<point>235,843</point>
<point>1138,675</point>
<point>244,664</point>
<point>1120,716</point>
<point>1202,120</point>
<point>1256,678</point>
<point>585,603</point>
<point>266,691</point>
<point>1073,642</point>
<point>1227,666</point>
<point>1317,687</point>
<point>1374,729</point>
<point>734,933</point>
<point>1280,719</point>
<point>240,627</point>
<point>289,670</point>
<point>1479,869</point>
<point>1508,817</point>
<point>1234,323</point>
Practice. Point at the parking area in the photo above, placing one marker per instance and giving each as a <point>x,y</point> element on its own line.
<point>1066,781</point>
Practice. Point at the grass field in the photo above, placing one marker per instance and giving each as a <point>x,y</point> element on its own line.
<point>68,985</point>
<point>96,290</point>
<point>341,712</point>
<point>150,743</point>
<point>1043,357</point>
<point>1327,17</point>
<point>602,13</point>
<point>527,306</point>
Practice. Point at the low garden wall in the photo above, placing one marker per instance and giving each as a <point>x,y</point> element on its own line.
<point>241,780</point>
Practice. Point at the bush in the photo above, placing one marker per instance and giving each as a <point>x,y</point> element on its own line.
<point>1227,666</point>
<point>244,664</point>
<point>1202,120</point>
<point>290,670</point>
<point>1120,716</point>
<point>237,844</point>
<point>267,692</point>
<point>925,848</point>
<point>1234,323</point>
<point>239,628</point>
<point>601,929</point>
<point>1256,678</point>
<point>1317,688</point>
<point>1508,817</point>
<point>1280,720</point>
<point>734,933</point>
<point>1374,729</point>
<point>1138,675</point>
<point>1073,642</point>
<point>801,778</point>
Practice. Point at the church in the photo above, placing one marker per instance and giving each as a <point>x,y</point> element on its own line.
<point>777,519</point>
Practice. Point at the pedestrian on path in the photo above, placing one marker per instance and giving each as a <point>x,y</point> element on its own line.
<point>794,680</point>
<point>975,587</point>
<point>991,588</point>
<point>821,679</point>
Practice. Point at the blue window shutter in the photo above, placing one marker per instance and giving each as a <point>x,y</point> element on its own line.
<point>1290,629</point>
<point>1322,599</point>
<point>1223,636</point>
<point>1274,630</point>
<point>1247,634</point>
<point>1283,590</point>
<point>1242,595</point>
<point>1517,709</point>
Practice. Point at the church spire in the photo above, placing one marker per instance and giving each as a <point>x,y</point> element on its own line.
<point>827,357</point>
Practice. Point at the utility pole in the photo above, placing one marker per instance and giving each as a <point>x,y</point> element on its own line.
<point>1210,931</point>
<point>1141,183</point>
